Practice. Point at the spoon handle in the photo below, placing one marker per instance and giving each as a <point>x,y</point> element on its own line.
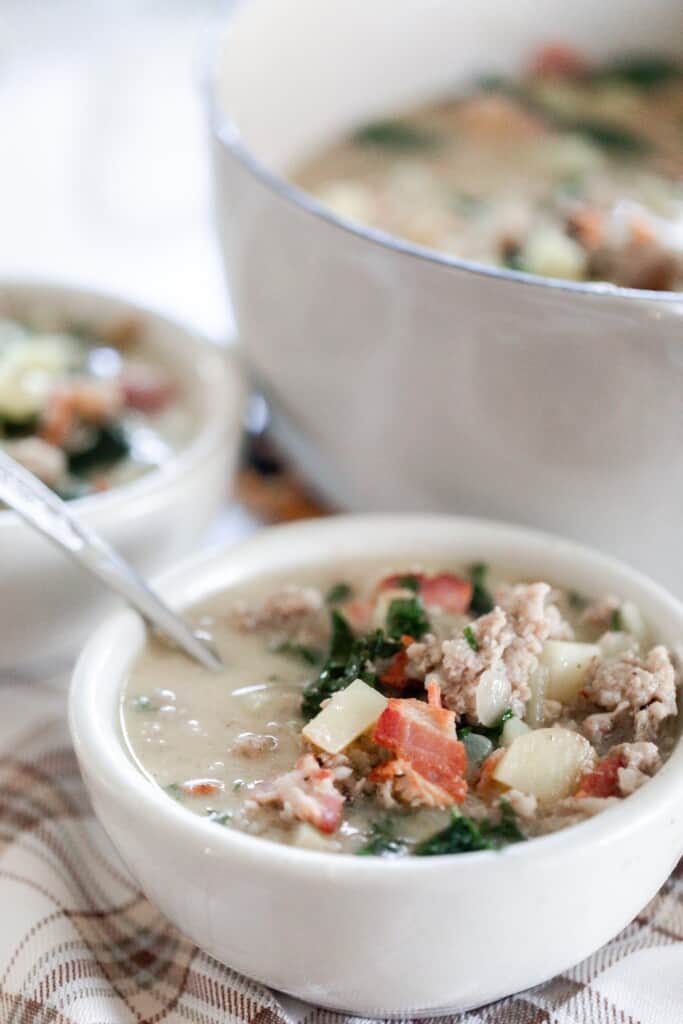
<point>47,513</point>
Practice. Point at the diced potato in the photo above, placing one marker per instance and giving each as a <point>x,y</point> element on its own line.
<point>633,622</point>
<point>534,706</point>
<point>348,199</point>
<point>550,253</point>
<point>546,763</point>
<point>349,713</point>
<point>566,663</point>
<point>493,696</point>
<point>612,644</point>
<point>513,728</point>
<point>310,838</point>
<point>569,155</point>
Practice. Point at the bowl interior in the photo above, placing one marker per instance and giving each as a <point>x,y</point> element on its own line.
<point>295,74</point>
<point>106,661</point>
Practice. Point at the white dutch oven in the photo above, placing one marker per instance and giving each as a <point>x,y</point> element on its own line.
<point>405,379</point>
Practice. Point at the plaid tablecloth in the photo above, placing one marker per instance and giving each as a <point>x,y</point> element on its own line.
<point>79,942</point>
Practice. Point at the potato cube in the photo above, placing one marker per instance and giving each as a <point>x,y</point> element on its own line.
<point>547,763</point>
<point>349,713</point>
<point>566,664</point>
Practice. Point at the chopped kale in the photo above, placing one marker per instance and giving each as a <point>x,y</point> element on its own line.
<point>645,71</point>
<point>346,661</point>
<point>493,83</point>
<point>492,732</point>
<point>143,703</point>
<point>396,135</point>
<point>219,817</point>
<point>237,784</point>
<point>342,639</point>
<point>467,204</point>
<point>72,490</point>
<point>109,445</point>
<point>309,655</point>
<point>338,593</point>
<point>468,633</point>
<point>481,602</point>
<point>611,136</point>
<point>511,257</point>
<point>382,841</point>
<point>464,835</point>
<point>174,790</point>
<point>406,617</point>
<point>506,830</point>
<point>409,582</point>
<point>616,623</point>
<point>18,428</point>
<point>577,601</point>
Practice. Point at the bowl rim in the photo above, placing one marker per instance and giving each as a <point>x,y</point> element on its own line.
<point>226,131</point>
<point>215,419</point>
<point>100,745</point>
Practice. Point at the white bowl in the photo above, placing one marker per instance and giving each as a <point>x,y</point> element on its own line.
<point>406,380</point>
<point>368,936</point>
<point>50,605</point>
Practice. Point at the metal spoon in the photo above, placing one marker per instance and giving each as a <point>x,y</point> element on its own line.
<point>44,511</point>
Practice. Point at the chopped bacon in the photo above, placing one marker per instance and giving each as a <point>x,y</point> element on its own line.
<point>202,787</point>
<point>587,226</point>
<point>425,737</point>
<point>487,787</point>
<point>79,401</point>
<point>603,781</point>
<point>395,675</point>
<point>408,786</point>
<point>557,60</point>
<point>358,614</point>
<point>306,793</point>
<point>446,591</point>
<point>433,688</point>
<point>146,389</point>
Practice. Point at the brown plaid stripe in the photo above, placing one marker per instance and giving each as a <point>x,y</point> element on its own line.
<point>80,944</point>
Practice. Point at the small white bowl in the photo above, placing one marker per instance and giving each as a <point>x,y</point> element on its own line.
<point>50,605</point>
<point>368,936</point>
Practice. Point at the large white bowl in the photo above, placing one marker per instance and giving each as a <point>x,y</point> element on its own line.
<point>407,380</point>
<point>49,605</point>
<point>364,935</point>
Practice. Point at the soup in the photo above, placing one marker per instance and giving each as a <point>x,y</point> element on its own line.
<point>413,711</point>
<point>570,171</point>
<point>86,409</point>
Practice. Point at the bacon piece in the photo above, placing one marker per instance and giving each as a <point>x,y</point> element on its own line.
<point>603,781</point>
<point>409,786</point>
<point>557,60</point>
<point>395,675</point>
<point>79,401</point>
<point>487,787</point>
<point>358,614</point>
<point>445,590</point>
<point>146,389</point>
<point>306,793</point>
<point>587,226</point>
<point>201,787</point>
<point>425,737</point>
<point>433,688</point>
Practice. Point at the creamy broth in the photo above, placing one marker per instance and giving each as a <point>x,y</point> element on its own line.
<point>570,171</point>
<point>502,667</point>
